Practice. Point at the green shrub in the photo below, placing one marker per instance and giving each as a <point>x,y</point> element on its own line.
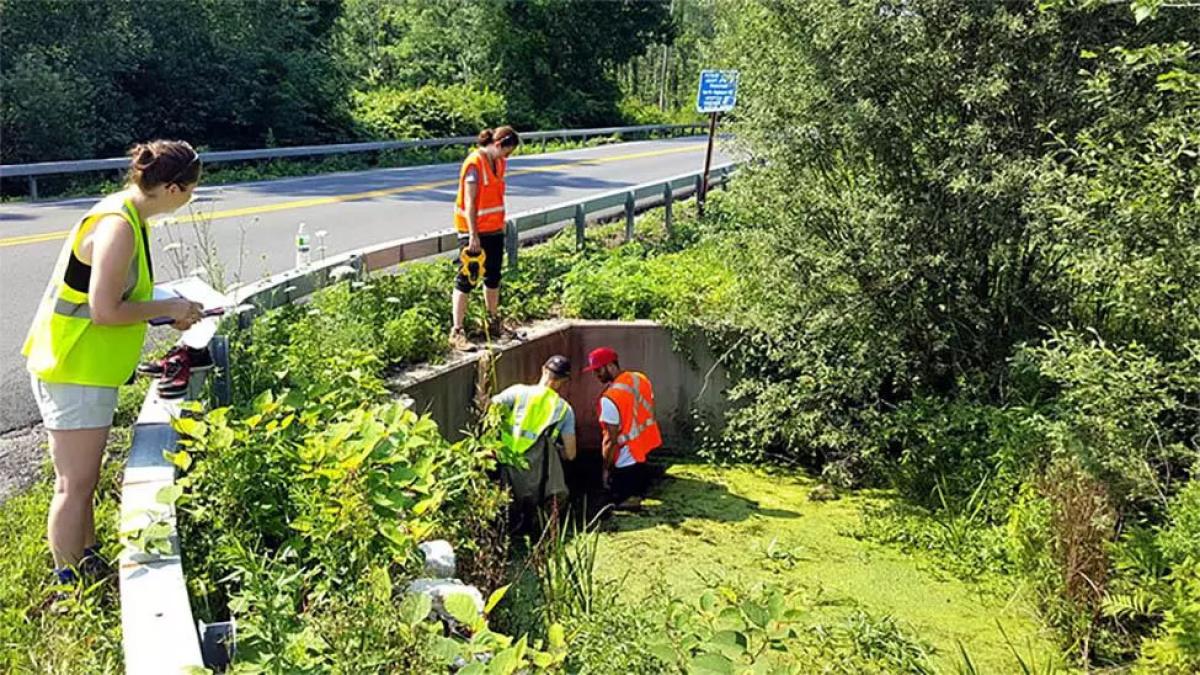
<point>939,450</point>
<point>1158,586</point>
<point>292,506</point>
<point>413,336</point>
<point>46,111</point>
<point>427,112</point>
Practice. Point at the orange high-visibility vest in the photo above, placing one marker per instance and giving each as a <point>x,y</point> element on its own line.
<point>634,397</point>
<point>489,205</point>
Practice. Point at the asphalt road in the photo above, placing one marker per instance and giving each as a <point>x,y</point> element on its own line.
<point>253,225</point>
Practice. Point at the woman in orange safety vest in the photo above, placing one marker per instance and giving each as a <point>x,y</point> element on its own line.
<point>479,219</point>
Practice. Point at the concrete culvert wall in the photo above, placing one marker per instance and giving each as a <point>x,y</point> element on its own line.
<point>688,381</point>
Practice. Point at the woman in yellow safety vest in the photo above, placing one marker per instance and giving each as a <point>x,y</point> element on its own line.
<point>87,336</point>
<point>479,219</point>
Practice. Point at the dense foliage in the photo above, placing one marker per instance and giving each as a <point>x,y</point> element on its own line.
<point>976,229</point>
<point>86,79</point>
<point>962,266</point>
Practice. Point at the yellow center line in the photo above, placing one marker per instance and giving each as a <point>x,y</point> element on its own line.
<point>358,196</point>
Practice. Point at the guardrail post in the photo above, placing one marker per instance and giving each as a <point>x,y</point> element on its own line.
<point>33,188</point>
<point>699,191</point>
<point>220,381</point>
<point>580,224</point>
<point>629,207</point>
<point>668,197</point>
<point>512,241</point>
<point>543,145</point>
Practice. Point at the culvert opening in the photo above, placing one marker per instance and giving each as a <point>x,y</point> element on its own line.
<point>689,386</point>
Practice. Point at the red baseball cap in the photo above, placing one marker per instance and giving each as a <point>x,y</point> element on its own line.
<point>600,357</point>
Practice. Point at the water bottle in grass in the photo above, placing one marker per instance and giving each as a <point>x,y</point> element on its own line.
<point>303,247</point>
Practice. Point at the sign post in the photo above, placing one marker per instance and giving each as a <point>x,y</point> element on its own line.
<point>717,94</point>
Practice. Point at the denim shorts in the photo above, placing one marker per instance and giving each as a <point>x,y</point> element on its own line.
<point>67,407</point>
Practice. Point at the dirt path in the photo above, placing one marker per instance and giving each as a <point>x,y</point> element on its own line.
<point>22,456</point>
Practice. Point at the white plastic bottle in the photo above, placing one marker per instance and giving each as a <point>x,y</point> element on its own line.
<point>303,247</point>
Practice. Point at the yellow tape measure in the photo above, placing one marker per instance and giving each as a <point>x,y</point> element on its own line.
<point>472,264</point>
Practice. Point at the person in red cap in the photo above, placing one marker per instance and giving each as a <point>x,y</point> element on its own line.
<point>627,421</point>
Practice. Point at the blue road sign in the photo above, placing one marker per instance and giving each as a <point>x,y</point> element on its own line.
<point>718,91</point>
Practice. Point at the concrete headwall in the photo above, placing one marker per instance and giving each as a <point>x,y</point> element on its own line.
<point>678,373</point>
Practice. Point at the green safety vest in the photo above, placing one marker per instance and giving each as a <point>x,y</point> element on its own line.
<point>536,409</point>
<point>63,345</point>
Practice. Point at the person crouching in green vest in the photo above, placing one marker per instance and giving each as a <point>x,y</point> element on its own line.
<point>538,424</point>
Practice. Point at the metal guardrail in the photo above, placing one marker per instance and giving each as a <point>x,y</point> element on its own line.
<point>294,284</point>
<point>32,171</point>
<point>154,598</point>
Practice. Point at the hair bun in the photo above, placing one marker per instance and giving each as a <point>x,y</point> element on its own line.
<point>485,137</point>
<point>143,156</point>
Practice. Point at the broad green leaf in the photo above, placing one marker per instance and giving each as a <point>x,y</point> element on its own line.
<point>663,652</point>
<point>495,598</point>
<point>776,606</point>
<point>169,494</point>
<point>556,636</point>
<point>710,664</point>
<point>388,529</point>
<point>415,608</point>
<point>505,662</point>
<point>446,649</point>
<point>189,427</point>
<point>730,638</point>
<point>708,601</point>
<point>730,618</point>
<point>427,503</point>
<point>220,437</point>
<point>756,613</point>
<point>182,459</point>
<point>263,400</point>
<point>419,529</point>
<point>462,607</point>
<point>728,643</point>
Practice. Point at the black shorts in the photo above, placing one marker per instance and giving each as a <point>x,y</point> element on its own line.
<point>492,244</point>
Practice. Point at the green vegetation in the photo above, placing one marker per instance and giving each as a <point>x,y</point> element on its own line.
<point>959,291</point>
<point>81,633</point>
<point>82,80</point>
<point>972,279</point>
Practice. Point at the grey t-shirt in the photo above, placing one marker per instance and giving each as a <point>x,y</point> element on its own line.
<point>508,398</point>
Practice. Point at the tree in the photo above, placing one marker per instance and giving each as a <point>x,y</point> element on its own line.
<point>555,58</point>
